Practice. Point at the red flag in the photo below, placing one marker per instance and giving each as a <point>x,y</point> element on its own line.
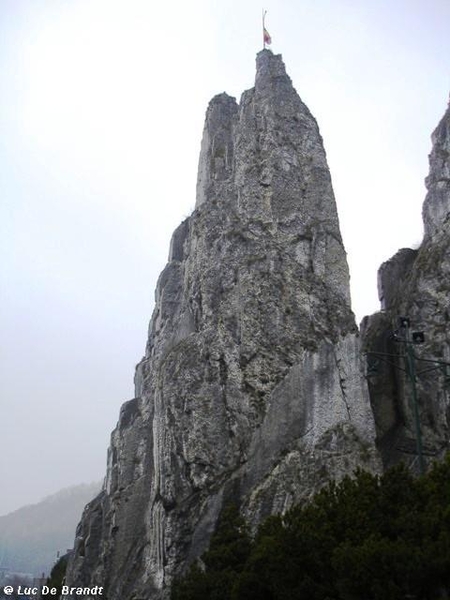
<point>267,38</point>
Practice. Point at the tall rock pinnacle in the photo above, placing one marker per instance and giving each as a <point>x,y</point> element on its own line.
<point>251,387</point>
<point>416,283</point>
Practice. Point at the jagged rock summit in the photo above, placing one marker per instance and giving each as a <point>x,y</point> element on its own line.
<point>416,284</point>
<point>251,388</point>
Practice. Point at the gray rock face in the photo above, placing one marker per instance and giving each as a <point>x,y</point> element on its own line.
<point>436,208</point>
<point>416,283</point>
<point>251,388</point>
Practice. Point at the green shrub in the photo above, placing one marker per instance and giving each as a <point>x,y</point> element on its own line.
<point>366,538</point>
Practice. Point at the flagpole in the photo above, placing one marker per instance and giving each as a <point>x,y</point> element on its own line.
<point>263,25</point>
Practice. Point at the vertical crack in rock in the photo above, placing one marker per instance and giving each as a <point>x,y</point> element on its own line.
<point>416,283</point>
<point>240,393</point>
<point>342,377</point>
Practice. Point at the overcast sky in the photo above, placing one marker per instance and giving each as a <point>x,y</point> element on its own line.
<point>101,114</point>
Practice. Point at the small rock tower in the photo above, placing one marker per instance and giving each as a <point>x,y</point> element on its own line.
<point>416,284</point>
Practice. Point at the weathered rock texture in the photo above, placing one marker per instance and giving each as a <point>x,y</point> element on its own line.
<point>416,283</point>
<point>251,388</point>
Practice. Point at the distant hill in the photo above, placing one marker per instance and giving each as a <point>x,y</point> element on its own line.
<point>31,536</point>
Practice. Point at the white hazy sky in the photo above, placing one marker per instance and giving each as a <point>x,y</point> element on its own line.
<point>101,113</point>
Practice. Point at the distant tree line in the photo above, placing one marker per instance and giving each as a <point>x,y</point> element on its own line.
<point>367,538</point>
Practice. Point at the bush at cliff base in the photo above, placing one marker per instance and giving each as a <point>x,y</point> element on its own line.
<point>366,538</point>
<point>58,574</point>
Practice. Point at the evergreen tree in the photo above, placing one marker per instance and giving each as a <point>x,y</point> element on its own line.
<point>366,538</point>
<point>224,560</point>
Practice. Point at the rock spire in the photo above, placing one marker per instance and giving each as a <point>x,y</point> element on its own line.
<point>436,208</point>
<point>416,283</point>
<point>251,388</point>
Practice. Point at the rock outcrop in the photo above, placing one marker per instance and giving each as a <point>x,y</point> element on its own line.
<point>251,389</point>
<point>416,284</point>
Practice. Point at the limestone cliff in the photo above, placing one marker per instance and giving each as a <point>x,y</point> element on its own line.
<point>416,284</point>
<point>251,388</point>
